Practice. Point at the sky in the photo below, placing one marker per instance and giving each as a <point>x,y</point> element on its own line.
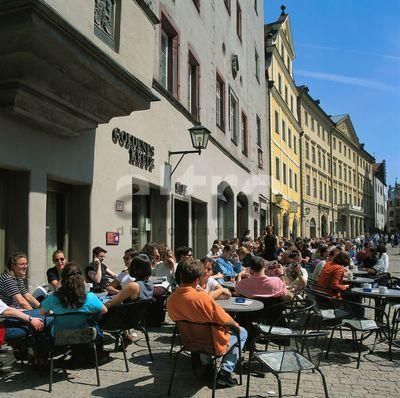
<point>348,54</point>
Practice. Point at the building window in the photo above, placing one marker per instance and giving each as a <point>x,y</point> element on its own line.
<point>258,124</point>
<point>255,7</point>
<point>350,176</point>
<point>283,130</point>
<point>295,182</point>
<point>260,158</point>
<point>289,133</point>
<point>277,168</point>
<point>234,116</point>
<point>319,158</point>
<point>228,5</point>
<point>314,187</point>
<point>276,122</point>
<point>334,169</point>
<point>239,21</point>
<point>288,63</point>
<point>345,197</point>
<point>244,135</point>
<point>169,57</point>
<point>193,86</point>
<point>313,154</point>
<point>340,171</point>
<point>318,130</point>
<point>286,94</point>
<point>294,144</point>
<point>335,196</point>
<point>340,197</point>
<point>308,185</point>
<point>312,124</point>
<point>340,146</point>
<point>107,17</point>
<point>290,178</point>
<point>324,162</point>
<point>306,117</point>
<point>345,173</point>
<point>334,143</point>
<point>257,60</point>
<point>325,193</point>
<point>284,173</point>
<point>220,103</point>
<point>197,4</point>
<point>291,103</point>
<point>307,150</point>
<point>279,83</point>
<point>320,190</point>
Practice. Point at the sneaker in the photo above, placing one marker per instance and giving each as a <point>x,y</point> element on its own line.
<point>128,339</point>
<point>225,379</point>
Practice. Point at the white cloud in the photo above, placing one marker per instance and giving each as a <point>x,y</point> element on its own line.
<point>353,81</point>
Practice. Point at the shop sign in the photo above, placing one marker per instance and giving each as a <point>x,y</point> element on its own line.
<point>141,154</point>
<point>180,189</point>
<point>112,238</point>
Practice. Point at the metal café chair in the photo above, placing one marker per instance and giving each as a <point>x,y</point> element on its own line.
<point>70,329</point>
<point>198,338</point>
<point>123,317</point>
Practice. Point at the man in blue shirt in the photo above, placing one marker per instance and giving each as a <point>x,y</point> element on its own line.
<point>224,265</point>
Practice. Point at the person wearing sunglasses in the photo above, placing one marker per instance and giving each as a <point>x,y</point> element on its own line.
<point>54,273</point>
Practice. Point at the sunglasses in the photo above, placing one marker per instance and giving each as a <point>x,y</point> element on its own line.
<point>59,259</point>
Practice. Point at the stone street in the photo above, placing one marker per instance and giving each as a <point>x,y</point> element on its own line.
<point>377,376</point>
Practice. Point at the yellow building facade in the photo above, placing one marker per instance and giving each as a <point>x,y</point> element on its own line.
<point>284,129</point>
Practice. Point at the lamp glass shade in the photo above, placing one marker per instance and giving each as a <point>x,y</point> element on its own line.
<point>199,136</point>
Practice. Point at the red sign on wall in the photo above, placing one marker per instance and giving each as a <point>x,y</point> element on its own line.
<point>112,238</point>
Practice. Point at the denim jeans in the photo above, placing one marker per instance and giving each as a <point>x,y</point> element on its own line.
<point>15,329</point>
<point>230,360</point>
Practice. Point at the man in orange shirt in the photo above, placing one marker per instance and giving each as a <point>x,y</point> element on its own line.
<point>186,303</point>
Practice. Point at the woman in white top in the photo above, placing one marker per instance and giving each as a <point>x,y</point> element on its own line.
<point>210,285</point>
<point>383,255</point>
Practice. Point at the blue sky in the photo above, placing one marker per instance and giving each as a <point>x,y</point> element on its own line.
<point>348,54</point>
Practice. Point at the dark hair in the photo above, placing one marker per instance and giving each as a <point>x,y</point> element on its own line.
<point>323,249</point>
<point>182,251</point>
<point>294,254</point>
<point>342,258</point>
<point>257,263</point>
<point>12,260</point>
<point>72,292</point>
<point>381,248</point>
<point>150,250</point>
<point>190,270</point>
<point>140,267</point>
<point>131,252</point>
<point>97,250</point>
<point>227,248</point>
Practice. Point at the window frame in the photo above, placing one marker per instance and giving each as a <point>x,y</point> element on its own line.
<point>220,122</point>
<point>244,134</point>
<point>234,132</point>
<point>193,98</point>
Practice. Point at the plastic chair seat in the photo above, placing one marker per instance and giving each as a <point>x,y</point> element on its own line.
<point>333,313</point>
<point>362,324</point>
<point>284,361</point>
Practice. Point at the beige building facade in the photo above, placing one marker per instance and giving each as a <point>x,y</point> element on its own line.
<point>107,91</point>
<point>284,129</point>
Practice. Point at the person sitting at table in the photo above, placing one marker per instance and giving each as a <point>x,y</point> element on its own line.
<point>13,290</point>
<point>372,263</point>
<point>141,289</point>
<point>98,273</point>
<point>324,255</point>
<point>210,285</point>
<point>331,277</point>
<point>54,273</point>
<point>124,277</point>
<point>296,276</point>
<point>186,303</point>
<point>224,265</point>
<point>381,249</point>
<point>71,296</point>
<point>167,267</point>
<point>261,285</point>
<point>214,252</point>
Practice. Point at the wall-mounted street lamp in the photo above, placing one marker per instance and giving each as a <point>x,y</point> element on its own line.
<point>199,136</point>
<point>278,198</point>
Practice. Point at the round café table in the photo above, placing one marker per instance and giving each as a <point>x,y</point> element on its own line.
<point>358,280</point>
<point>231,306</point>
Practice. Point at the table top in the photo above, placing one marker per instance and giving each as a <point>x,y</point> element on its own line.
<point>359,272</point>
<point>229,285</point>
<point>250,305</point>
<point>358,280</point>
<point>391,293</point>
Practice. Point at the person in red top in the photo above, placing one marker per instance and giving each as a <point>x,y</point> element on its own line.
<point>331,277</point>
<point>189,304</point>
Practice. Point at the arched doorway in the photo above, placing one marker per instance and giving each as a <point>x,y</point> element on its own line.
<point>313,228</point>
<point>324,226</point>
<point>285,225</point>
<point>242,214</point>
<point>225,214</point>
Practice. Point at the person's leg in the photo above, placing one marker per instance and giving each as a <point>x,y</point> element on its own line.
<point>230,360</point>
<point>15,329</point>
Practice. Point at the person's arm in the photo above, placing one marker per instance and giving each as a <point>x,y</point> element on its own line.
<point>111,273</point>
<point>232,323</point>
<point>31,300</point>
<point>130,291</point>
<point>55,284</point>
<point>36,323</point>
<point>22,301</point>
<point>220,293</point>
<point>95,273</point>
<point>336,281</point>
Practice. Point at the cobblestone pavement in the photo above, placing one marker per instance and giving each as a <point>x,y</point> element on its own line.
<point>377,376</point>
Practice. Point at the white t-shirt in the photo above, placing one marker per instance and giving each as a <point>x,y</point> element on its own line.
<point>3,306</point>
<point>124,278</point>
<point>385,259</point>
<point>211,285</point>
